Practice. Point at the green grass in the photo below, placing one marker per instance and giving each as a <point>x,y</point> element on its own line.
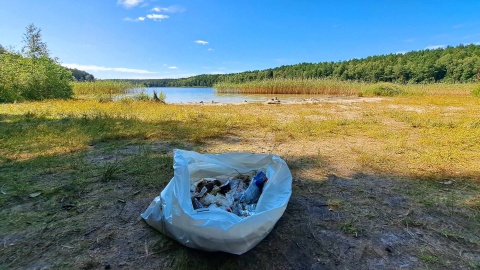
<point>476,91</point>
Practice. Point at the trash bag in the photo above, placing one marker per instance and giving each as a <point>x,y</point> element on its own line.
<point>214,229</point>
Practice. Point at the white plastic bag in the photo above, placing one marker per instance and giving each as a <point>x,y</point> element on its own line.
<point>172,212</point>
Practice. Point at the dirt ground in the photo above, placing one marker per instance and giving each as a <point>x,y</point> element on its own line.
<point>337,218</point>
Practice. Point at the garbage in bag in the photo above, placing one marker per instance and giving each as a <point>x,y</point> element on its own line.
<point>221,202</point>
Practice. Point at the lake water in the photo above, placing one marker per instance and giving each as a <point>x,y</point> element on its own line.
<point>186,95</point>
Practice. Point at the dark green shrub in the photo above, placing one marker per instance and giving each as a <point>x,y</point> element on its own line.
<point>384,90</point>
<point>141,97</point>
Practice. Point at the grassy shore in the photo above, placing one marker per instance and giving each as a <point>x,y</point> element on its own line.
<point>76,174</point>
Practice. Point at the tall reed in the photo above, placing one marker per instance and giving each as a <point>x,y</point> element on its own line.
<point>102,87</point>
<point>342,88</point>
<point>292,86</point>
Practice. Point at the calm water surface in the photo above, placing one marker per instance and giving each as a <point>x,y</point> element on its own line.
<point>185,95</point>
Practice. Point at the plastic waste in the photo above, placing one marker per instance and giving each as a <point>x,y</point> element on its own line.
<point>232,196</point>
<point>252,194</point>
<point>185,218</point>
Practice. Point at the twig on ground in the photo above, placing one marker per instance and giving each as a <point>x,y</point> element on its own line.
<point>90,231</point>
<point>421,239</point>
<point>146,248</point>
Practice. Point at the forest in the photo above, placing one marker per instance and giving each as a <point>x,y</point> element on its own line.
<point>460,64</point>
<point>81,76</point>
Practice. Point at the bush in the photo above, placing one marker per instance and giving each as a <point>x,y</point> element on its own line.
<point>32,78</point>
<point>160,97</point>
<point>141,97</point>
<point>476,91</point>
<point>383,89</point>
<point>10,86</point>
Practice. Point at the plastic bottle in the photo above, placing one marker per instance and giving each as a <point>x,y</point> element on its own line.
<point>252,193</point>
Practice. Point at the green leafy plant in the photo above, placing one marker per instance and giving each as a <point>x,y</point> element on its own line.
<point>383,89</point>
<point>160,97</point>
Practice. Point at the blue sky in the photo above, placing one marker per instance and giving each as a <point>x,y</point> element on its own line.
<point>172,39</point>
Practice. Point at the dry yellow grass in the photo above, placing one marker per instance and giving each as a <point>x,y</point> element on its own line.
<point>412,136</point>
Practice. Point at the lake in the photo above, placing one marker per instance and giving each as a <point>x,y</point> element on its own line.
<point>186,95</point>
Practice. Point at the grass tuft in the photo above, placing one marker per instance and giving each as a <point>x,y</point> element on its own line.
<point>109,172</point>
<point>476,91</point>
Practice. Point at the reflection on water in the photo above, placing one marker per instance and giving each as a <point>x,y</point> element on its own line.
<point>185,95</point>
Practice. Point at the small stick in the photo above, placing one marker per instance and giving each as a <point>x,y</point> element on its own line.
<point>146,248</point>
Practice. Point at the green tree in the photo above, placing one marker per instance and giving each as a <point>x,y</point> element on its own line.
<point>34,76</point>
<point>33,46</point>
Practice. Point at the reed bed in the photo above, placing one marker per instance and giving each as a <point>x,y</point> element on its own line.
<point>292,86</point>
<point>102,87</point>
<point>343,88</point>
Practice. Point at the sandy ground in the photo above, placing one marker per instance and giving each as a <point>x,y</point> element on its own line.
<point>333,99</point>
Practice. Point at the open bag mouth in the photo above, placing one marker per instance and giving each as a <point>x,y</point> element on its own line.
<point>221,228</point>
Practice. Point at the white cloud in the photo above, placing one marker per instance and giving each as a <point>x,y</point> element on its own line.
<point>217,72</point>
<point>170,9</point>
<point>202,42</point>
<point>139,19</point>
<point>434,47</point>
<point>157,17</point>
<point>129,3</point>
<point>173,67</point>
<point>210,49</point>
<point>99,68</point>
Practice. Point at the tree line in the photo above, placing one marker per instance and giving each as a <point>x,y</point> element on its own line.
<point>81,76</point>
<point>458,64</point>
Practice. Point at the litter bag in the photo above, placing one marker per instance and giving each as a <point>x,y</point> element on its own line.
<point>214,229</point>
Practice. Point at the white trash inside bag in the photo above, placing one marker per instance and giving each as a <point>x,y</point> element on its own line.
<point>219,228</point>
